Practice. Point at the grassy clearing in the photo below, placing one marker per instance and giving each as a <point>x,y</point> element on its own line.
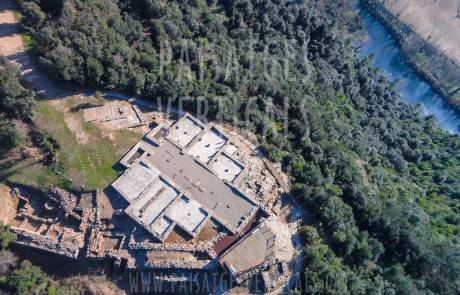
<point>27,172</point>
<point>77,166</point>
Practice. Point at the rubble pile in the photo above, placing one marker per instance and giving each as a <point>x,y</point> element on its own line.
<point>57,246</point>
<point>275,276</point>
<point>64,198</point>
<point>179,264</point>
<point>258,269</point>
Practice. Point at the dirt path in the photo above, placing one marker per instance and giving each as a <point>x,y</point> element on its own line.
<point>10,40</point>
<point>13,47</point>
<point>7,204</point>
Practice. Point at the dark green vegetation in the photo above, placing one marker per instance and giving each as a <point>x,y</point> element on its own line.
<point>17,129</point>
<point>346,15</point>
<point>18,132</point>
<point>23,278</point>
<point>15,100</point>
<point>382,182</point>
<point>15,103</point>
<point>16,112</point>
<point>28,279</point>
<point>438,70</point>
<point>6,236</point>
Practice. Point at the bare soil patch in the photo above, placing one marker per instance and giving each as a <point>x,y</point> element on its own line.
<point>284,249</point>
<point>178,236</point>
<point>98,285</point>
<point>76,128</point>
<point>361,166</point>
<point>10,39</point>
<point>438,22</point>
<point>73,122</point>
<point>8,204</point>
<point>104,205</point>
<point>207,233</point>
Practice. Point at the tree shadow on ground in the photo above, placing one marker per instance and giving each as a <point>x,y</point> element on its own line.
<point>7,30</point>
<point>6,170</point>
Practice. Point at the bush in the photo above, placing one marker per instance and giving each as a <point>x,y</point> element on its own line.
<point>29,279</point>
<point>10,138</point>
<point>6,236</point>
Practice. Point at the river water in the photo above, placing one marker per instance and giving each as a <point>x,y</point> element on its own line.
<point>412,88</point>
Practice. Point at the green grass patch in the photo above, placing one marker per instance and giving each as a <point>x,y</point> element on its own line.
<point>78,166</point>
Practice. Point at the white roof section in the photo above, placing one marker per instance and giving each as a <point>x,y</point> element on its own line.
<point>226,168</point>
<point>185,130</point>
<point>207,145</point>
<point>188,214</point>
<point>223,201</point>
<point>135,180</point>
<point>230,148</point>
<point>149,205</point>
<point>162,226</point>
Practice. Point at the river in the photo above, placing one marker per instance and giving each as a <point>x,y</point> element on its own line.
<point>412,88</point>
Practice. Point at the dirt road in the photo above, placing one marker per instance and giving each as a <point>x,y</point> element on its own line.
<point>10,41</point>
<point>13,47</point>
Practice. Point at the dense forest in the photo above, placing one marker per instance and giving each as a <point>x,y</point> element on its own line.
<point>382,182</point>
<point>18,133</point>
<point>15,104</point>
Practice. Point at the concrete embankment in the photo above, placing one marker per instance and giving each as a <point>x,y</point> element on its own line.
<point>442,73</point>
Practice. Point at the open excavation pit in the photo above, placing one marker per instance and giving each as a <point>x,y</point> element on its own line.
<point>191,197</point>
<point>116,114</point>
